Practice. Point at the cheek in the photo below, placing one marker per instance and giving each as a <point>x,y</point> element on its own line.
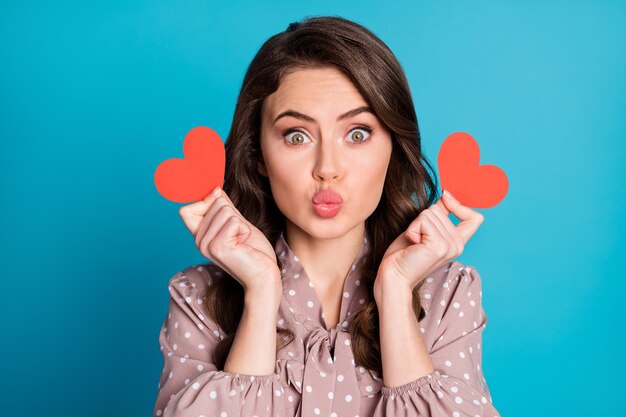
<point>369,178</point>
<point>285,177</point>
<point>371,169</point>
<point>288,190</point>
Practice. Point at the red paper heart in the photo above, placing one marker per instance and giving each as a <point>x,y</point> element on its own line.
<point>474,185</point>
<point>202,169</point>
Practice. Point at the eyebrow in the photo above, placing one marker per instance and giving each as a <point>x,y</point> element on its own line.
<point>302,116</point>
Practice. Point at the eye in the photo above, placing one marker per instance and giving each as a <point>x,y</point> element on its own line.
<point>298,138</point>
<point>358,136</point>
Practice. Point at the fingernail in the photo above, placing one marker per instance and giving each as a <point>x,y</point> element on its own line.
<point>216,192</point>
<point>449,195</point>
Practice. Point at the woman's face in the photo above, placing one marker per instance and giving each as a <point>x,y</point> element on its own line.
<point>317,148</point>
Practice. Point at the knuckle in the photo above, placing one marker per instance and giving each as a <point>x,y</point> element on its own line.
<point>201,243</point>
<point>213,248</point>
<point>423,217</point>
<point>208,255</point>
<point>225,207</point>
<point>233,218</point>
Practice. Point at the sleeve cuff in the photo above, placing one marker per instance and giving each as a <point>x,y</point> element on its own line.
<point>409,386</point>
<point>261,379</point>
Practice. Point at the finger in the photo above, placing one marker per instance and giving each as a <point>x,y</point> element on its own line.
<point>212,223</point>
<point>226,239</point>
<point>450,230</point>
<point>239,256</point>
<point>430,234</point>
<point>192,214</point>
<point>216,202</point>
<point>425,230</point>
<point>470,219</point>
<point>439,203</point>
<point>459,210</point>
<point>214,219</point>
<point>223,194</point>
<point>200,230</point>
<point>449,238</point>
<point>225,234</point>
<point>200,208</point>
<point>429,213</point>
<point>230,202</point>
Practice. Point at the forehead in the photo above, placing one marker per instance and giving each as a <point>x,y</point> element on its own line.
<point>312,86</point>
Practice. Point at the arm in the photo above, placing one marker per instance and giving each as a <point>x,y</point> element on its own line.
<point>190,383</point>
<point>402,348</point>
<point>448,380</point>
<point>254,347</point>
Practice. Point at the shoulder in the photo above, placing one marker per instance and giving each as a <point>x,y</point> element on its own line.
<point>188,295</point>
<point>195,278</point>
<point>453,283</point>
<point>188,287</point>
<point>454,305</point>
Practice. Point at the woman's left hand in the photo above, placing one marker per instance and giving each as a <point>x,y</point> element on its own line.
<point>429,242</point>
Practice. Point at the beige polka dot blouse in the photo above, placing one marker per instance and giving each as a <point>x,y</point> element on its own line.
<point>315,375</point>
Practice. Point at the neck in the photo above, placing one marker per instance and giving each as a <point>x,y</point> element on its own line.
<point>326,260</point>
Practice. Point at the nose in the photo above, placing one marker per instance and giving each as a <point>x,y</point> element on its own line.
<point>328,160</point>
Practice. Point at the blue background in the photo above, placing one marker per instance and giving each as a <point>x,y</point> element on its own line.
<point>94,96</point>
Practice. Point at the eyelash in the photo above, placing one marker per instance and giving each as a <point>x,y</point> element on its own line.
<point>361,127</point>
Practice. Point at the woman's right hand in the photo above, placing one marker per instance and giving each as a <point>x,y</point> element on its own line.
<point>225,237</point>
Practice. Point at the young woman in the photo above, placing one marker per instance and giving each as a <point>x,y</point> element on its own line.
<point>332,289</point>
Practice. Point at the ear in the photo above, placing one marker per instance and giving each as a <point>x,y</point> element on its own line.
<point>261,168</point>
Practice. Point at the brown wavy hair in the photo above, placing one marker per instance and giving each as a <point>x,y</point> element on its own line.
<point>409,188</point>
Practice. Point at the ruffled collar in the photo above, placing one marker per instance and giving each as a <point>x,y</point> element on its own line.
<point>300,294</point>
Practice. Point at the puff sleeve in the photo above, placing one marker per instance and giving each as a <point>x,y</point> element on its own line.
<point>190,383</point>
<point>457,386</point>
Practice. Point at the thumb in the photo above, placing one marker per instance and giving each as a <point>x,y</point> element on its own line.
<point>455,207</point>
<point>470,219</point>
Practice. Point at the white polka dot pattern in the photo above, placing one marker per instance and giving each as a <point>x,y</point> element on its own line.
<point>457,384</point>
<point>316,374</point>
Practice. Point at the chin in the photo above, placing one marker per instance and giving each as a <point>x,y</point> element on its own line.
<point>326,228</point>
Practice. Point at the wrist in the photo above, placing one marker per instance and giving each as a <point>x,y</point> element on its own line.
<point>392,290</point>
<point>263,297</point>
